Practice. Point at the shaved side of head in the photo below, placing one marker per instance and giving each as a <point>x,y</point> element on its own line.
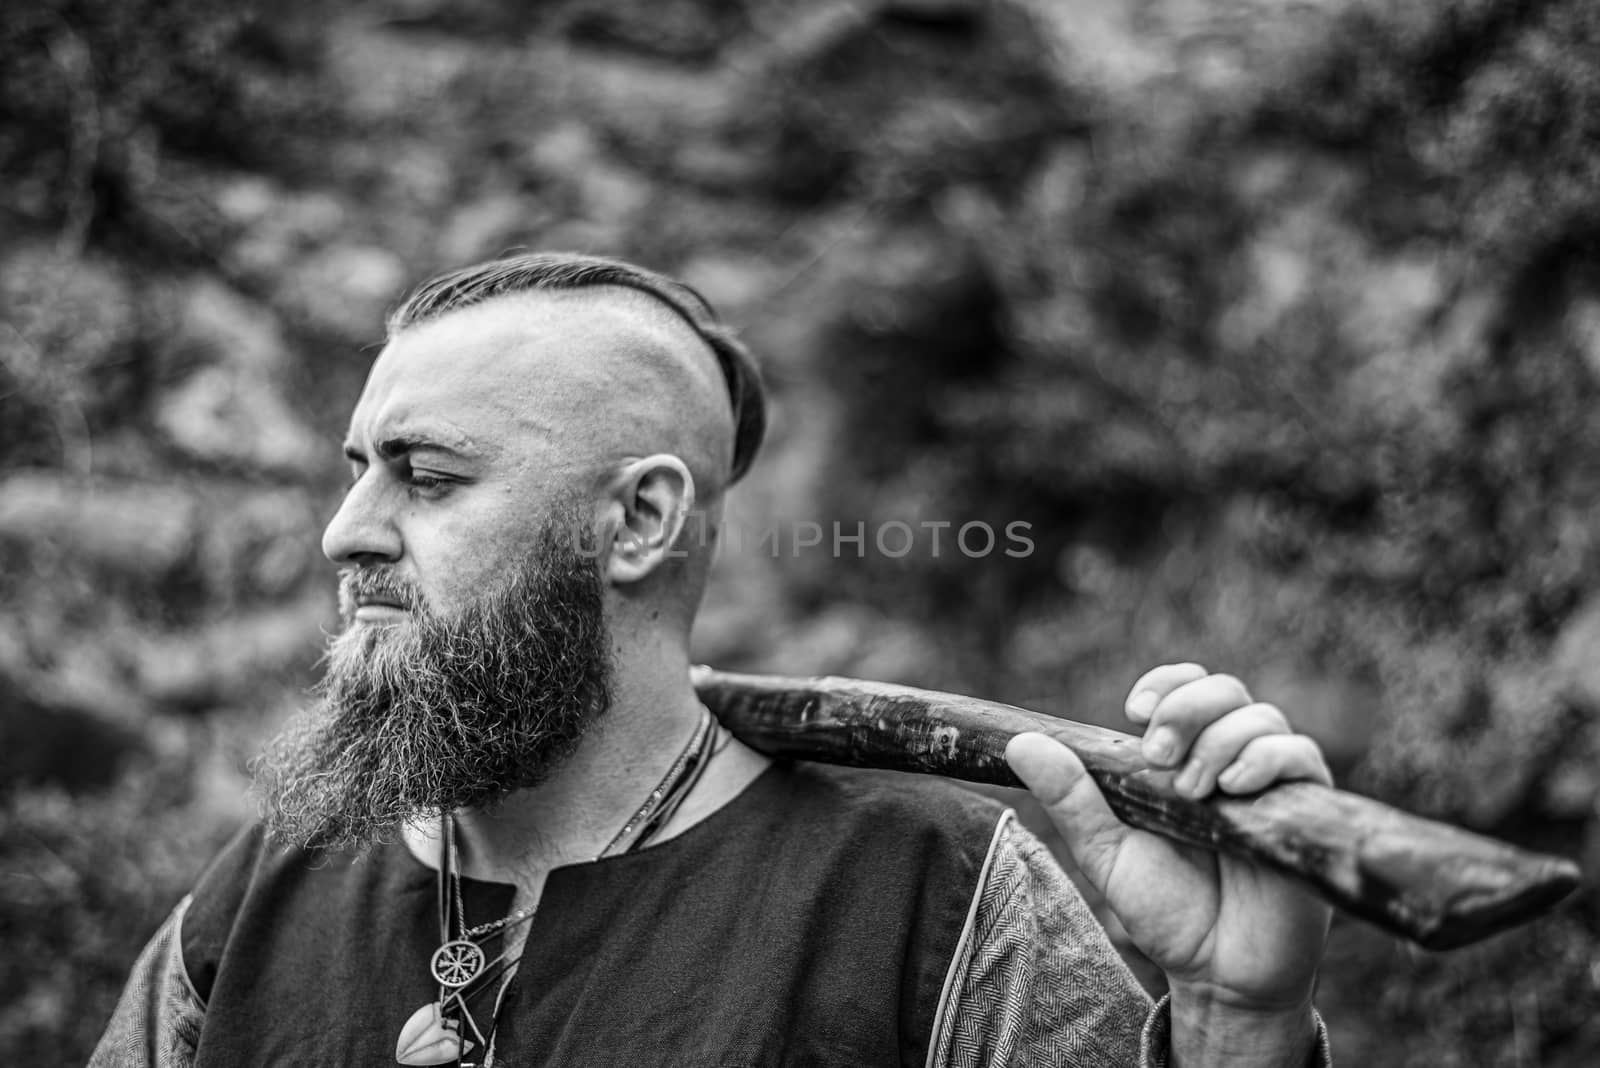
<point>577,369</point>
<point>553,272</point>
<point>653,386</point>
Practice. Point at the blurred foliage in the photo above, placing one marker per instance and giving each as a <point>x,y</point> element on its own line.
<point>85,881</point>
<point>99,101</point>
<point>1279,324</point>
<point>1477,121</point>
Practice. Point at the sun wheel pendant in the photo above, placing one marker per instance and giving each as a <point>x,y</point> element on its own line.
<point>457,963</point>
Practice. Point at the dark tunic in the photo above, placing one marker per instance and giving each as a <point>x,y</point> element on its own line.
<point>811,920</point>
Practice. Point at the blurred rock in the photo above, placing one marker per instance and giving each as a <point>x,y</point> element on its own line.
<point>347,288</point>
<point>46,742</point>
<point>229,659</point>
<point>1339,712</point>
<point>1472,743</point>
<point>220,325</point>
<point>228,414</point>
<point>146,531</point>
<point>276,226</point>
<point>70,313</point>
<point>229,356</point>
<point>682,30</point>
<point>238,545</point>
<point>1394,300</point>
<point>955,16</point>
<point>613,194</point>
<point>1583,323</point>
<point>247,200</point>
<point>1575,659</point>
<point>259,543</point>
<point>489,225</point>
<point>563,151</point>
<point>1571,788</point>
<point>69,331</point>
<point>731,282</point>
<point>852,641</point>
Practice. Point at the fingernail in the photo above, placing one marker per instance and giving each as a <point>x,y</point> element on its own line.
<point>1188,779</point>
<point>1161,746</point>
<point>1142,704</point>
<point>1230,776</point>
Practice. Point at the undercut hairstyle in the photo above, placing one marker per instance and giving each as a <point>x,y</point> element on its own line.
<point>467,286</point>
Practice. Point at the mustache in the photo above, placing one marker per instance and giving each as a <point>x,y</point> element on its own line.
<point>362,585</point>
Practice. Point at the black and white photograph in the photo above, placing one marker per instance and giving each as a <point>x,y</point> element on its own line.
<point>762,534</point>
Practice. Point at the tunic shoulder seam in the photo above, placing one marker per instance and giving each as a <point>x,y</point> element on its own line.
<point>958,960</point>
<point>179,965</point>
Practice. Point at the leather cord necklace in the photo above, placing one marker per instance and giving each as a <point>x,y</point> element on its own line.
<point>444,1030</point>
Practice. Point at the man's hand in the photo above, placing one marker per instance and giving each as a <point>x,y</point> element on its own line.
<point>1239,943</point>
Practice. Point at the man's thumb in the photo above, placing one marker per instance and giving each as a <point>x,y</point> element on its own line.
<point>1057,778</point>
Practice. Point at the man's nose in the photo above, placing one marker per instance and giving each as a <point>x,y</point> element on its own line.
<point>362,531</point>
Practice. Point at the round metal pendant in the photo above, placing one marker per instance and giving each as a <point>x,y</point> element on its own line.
<point>457,963</point>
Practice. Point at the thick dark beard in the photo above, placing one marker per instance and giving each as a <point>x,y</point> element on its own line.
<point>440,713</point>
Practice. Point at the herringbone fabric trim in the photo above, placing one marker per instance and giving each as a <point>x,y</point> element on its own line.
<point>943,1020</point>
<point>157,1020</point>
<point>1041,984</point>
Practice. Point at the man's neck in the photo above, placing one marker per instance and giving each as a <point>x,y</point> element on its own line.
<point>570,818</point>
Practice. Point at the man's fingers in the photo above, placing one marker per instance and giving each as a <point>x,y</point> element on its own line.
<point>1055,775</point>
<point>1220,743</point>
<point>1275,758</point>
<point>1155,684</point>
<point>1185,712</point>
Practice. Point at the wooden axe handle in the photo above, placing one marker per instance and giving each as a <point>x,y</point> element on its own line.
<point>1438,885</point>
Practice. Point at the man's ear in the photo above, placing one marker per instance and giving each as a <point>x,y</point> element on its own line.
<point>655,497</point>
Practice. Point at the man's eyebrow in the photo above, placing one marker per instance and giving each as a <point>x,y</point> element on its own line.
<point>401,444</point>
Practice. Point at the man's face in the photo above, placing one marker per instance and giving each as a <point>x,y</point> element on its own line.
<point>475,651</point>
<point>472,424</point>
<point>476,648</point>
<point>457,453</point>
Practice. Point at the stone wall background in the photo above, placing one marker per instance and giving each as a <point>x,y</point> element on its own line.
<point>1280,323</point>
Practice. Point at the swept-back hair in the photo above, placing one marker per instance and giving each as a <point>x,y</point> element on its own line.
<point>467,286</point>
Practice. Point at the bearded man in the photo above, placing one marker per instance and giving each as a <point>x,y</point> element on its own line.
<point>510,833</point>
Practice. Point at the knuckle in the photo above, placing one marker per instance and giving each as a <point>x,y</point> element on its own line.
<point>1213,743</point>
<point>1166,678</point>
<point>1314,757</point>
<point>1230,686</point>
<point>1273,716</point>
<point>1213,748</point>
<point>1304,748</point>
<point>1294,755</point>
<point>1263,749</point>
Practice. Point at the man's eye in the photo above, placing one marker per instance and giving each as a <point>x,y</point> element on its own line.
<point>425,481</point>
